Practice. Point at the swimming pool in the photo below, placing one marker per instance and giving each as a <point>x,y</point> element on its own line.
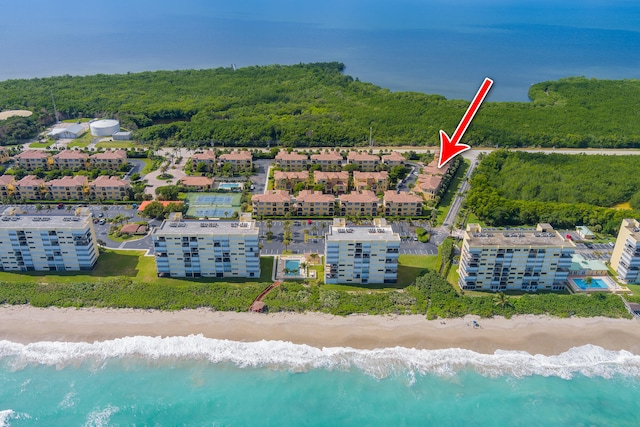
<point>292,267</point>
<point>230,186</point>
<point>595,284</point>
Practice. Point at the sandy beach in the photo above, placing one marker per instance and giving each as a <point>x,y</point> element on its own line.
<point>533,334</point>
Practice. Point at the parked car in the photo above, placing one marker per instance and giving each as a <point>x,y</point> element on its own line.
<point>60,205</point>
<point>102,221</point>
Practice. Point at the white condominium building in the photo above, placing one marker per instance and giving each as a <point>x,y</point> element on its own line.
<point>47,243</point>
<point>625,259</point>
<point>529,260</point>
<point>361,254</point>
<point>203,248</point>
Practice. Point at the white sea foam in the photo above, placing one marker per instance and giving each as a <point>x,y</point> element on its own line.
<point>8,414</point>
<point>5,416</point>
<point>100,417</point>
<point>588,360</point>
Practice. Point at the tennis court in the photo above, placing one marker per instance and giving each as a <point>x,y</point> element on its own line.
<point>213,205</point>
<point>215,199</point>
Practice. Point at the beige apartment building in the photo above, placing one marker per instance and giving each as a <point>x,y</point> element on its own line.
<point>363,203</point>
<point>33,159</point>
<point>110,188</point>
<point>401,204</point>
<point>328,160</point>
<point>428,185</point>
<point>274,202</point>
<point>4,155</point>
<point>314,203</point>
<point>393,159</point>
<point>208,158</point>
<point>71,159</point>
<point>334,182</point>
<point>8,186</point>
<point>240,161</point>
<point>367,162</point>
<point>288,180</point>
<point>111,160</point>
<point>31,188</point>
<point>197,183</point>
<point>291,161</point>
<point>69,188</point>
<point>374,181</point>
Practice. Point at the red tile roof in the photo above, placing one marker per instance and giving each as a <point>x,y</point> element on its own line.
<point>294,155</point>
<point>273,196</point>
<point>330,156</point>
<point>365,196</point>
<point>308,196</point>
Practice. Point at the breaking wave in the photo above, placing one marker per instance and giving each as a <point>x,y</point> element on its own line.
<point>587,360</point>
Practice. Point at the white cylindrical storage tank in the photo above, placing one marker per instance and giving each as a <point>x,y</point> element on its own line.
<point>104,127</point>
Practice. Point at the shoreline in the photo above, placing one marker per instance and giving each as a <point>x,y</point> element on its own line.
<point>532,334</point>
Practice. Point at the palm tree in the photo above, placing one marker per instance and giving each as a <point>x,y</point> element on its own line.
<point>501,300</point>
<point>588,281</point>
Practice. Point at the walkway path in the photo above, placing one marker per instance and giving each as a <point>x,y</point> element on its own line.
<point>264,294</point>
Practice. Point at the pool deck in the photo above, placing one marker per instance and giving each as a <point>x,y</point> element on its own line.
<point>612,286</point>
<point>280,265</point>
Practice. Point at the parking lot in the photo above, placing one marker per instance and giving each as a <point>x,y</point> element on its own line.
<point>319,228</point>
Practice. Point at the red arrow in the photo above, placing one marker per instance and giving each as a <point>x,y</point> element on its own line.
<point>451,147</point>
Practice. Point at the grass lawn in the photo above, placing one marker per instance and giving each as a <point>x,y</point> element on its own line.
<point>131,264</point>
<point>115,144</point>
<point>148,166</point>
<point>447,199</point>
<point>409,268</point>
<point>472,218</point>
<point>635,289</point>
<point>83,120</point>
<point>39,144</point>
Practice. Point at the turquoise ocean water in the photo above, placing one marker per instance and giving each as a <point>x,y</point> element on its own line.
<point>200,381</point>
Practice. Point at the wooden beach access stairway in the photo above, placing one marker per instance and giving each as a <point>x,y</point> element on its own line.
<point>257,305</point>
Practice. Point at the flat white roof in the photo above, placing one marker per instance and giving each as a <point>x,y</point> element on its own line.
<point>204,227</point>
<point>362,233</point>
<point>47,222</point>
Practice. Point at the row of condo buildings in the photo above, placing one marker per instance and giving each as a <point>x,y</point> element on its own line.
<point>316,203</point>
<point>491,259</point>
<point>538,259</point>
<point>70,159</point>
<point>293,168</point>
<point>332,182</point>
<point>334,161</point>
<point>77,187</point>
<point>239,160</point>
<point>295,161</point>
<point>201,248</point>
<point>193,248</point>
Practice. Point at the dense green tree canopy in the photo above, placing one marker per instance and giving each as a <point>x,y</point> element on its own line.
<point>517,188</point>
<point>316,104</point>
